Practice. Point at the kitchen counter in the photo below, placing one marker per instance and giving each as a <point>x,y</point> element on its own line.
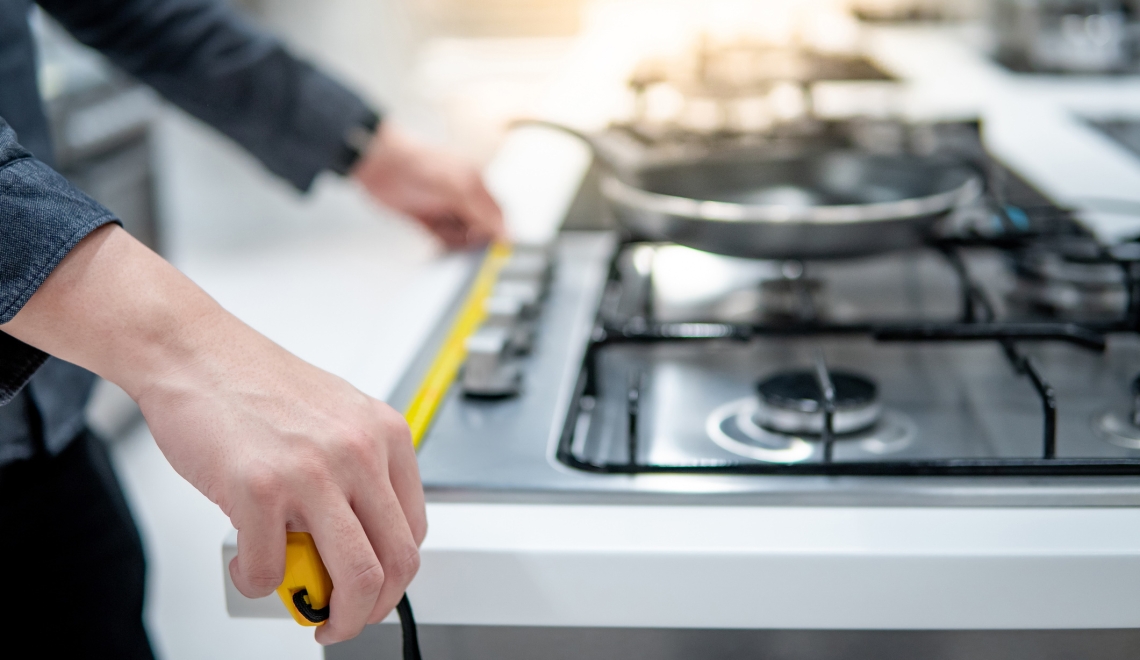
<point>773,567</point>
<point>755,567</point>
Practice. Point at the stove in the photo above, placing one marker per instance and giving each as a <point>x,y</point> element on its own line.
<point>996,365</point>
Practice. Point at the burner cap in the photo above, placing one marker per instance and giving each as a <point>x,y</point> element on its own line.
<point>792,402</point>
<point>799,390</point>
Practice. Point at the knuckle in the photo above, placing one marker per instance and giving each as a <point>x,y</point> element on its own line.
<point>405,567</point>
<point>367,579</point>
<point>264,484</point>
<point>359,443</point>
<point>393,425</point>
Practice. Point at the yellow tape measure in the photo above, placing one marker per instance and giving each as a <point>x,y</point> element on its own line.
<point>307,586</point>
<point>451,355</point>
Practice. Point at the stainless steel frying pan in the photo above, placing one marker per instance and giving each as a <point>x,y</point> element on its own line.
<point>815,203</point>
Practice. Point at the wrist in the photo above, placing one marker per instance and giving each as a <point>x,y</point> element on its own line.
<point>356,140</point>
<point>116,308</point>
<point>389,152</point>
<point>173,344</point>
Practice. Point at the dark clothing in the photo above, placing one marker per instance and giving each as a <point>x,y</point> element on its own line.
<point>208,61</point>
<point>19,95</point>
<point>41,218</point>
<point>238,79</point>
<point>76,561</point>
<point>60,389</point>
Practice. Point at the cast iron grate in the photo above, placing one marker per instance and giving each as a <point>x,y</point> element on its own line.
<point>977,322</point>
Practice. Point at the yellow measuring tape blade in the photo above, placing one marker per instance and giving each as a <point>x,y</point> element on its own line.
<point>453,352</point>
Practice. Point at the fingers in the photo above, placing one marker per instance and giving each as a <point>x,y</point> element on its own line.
<point>393,516</point>
<point>259,566</point>
<point>478,209</point>
<point>470,216</point>
<point>449,229</point>
<point>383,519</point>
<point>404,473</point>
<point>353,566</point>
<point>446,194</point>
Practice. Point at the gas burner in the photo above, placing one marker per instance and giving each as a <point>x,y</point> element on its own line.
<point>1119,429</point>
<point>792,403</point>
<point>734,428</point>
<point>1068,279</point>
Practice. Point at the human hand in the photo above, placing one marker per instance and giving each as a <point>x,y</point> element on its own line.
<point>278,444</point>
<point>442,192</point>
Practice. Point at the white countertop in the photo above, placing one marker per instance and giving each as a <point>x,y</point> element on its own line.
<point>773,567</point>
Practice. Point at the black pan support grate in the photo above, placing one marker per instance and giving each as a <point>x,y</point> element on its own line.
<point>977,322</point>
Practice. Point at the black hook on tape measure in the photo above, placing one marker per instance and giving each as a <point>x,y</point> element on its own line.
<point>307,589</point>
<point>314,615</point>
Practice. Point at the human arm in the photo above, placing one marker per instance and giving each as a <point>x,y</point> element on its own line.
<point>294,118</point>
<point>278,444</point>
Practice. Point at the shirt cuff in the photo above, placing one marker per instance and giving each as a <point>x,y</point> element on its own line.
<point>43,218</point>
<point>19,362</point>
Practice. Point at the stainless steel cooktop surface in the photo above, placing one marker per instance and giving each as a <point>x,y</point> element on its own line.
<point>1000,365</point>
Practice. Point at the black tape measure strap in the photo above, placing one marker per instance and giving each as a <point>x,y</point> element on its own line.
<point>408,629</point>
<point>403,610</point>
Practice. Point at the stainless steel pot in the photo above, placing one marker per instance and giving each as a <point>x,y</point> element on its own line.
<point>815,203</point>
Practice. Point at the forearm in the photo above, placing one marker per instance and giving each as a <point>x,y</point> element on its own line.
<point>205,58</point>
<point>114,307</point>
<point>276,443</point>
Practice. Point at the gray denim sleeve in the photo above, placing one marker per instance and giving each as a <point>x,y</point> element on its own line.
<point>42,217</point>
<point>206,59</point>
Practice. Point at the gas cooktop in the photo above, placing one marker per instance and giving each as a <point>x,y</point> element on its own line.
<point>998,365</point>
